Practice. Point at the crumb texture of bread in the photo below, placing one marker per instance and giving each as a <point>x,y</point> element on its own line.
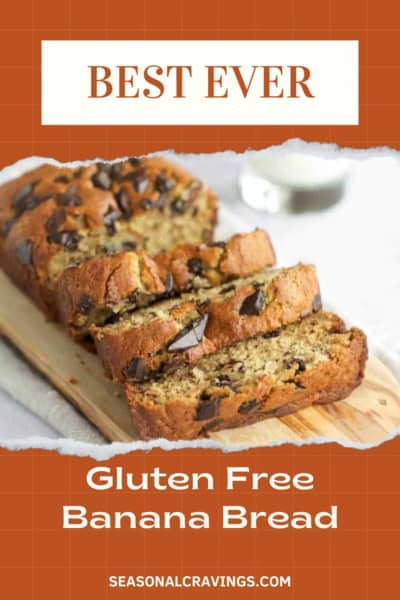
<point>313,361</point>
<point>56,217</point>
<point>157,339</point>
<point>105,286</point>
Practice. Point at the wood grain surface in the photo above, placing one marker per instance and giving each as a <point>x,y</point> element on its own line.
<point>369,415</point>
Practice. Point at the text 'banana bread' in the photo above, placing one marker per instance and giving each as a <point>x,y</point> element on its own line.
<point>157,339</point>
<point>313,361</point>
<point>55,217</point>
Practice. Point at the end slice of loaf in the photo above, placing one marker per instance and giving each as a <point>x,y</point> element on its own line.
<point>55,217</point>
<point>154,340</point>
<point>313,361</point>
<point>105,286</point>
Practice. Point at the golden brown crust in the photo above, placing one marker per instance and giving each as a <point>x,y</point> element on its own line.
<point>55,216</point>
<point>242,255</point>
<point>289,296</point>
<point>329,381</point>
<point>104,282</point>
<point>108,285</point>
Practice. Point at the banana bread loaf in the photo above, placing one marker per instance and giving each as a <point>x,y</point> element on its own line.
<point>313,361</point>
<point>54,217</point>
<point>104,286</point>
<point>157,339</point>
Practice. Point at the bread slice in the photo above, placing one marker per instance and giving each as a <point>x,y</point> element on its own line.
<point>105,286</point>
<point>157,339</point>
<point>314,361</point>
<point>207,265</point>
<point>55,217</point>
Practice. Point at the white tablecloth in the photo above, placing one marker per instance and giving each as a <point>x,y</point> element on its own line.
<point>355,245</point>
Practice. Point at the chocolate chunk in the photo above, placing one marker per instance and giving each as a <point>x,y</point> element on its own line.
<point>317,303</point>
<point>22,193</point>
<point>78,172</point>
<point>116,170</point>
<point>195,266</point>
<point>208,408</point>
<point>131,175</point>
<point>55,221</point>
<point>102,180</point>
<point>179,206</point>
<point>124,204</point>
<point>272,334</point>
<point>169,284</point>
<point>69,239</point>
<point>69,198</point>
<point>140,184</point>
<point>24,252</point>
<point>61,179</point>
<point>227,289</point>
<point>42,197</point>
<point>25,200</point>
<point>104,167</point>
<point>85,304</point>
<point>7,226</point>
<point>190,336</point>
<point>163,184</point>
<point>170,367</point>
<point>253,304</point>
<point>146,203</point>
<point>223,381</point>
<point>27,203</point>
<point>134,161</point>
<point>138,179</point>
<point>128,245</point>
<point>109,219</point>
<point>137,370</point>
<point>216,244</point>
<point>301,365</point>
<point>249,406</point>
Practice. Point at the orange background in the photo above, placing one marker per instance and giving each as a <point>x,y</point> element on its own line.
<point>24,23</point>
<point>38,559</point>
<point>358,560</point>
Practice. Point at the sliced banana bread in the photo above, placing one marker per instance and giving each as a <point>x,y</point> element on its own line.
<point>97,289</point>
<point>206,265</point>
<point>313,361</point>
<point>157,339</point>
<point>54,217</point>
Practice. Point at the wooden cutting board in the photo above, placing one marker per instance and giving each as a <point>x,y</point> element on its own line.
<point>370,414</point>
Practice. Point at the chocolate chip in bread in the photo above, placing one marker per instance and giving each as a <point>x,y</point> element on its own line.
<point>315,360</point>
<point>184,329</point>
<point>129,280</point>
